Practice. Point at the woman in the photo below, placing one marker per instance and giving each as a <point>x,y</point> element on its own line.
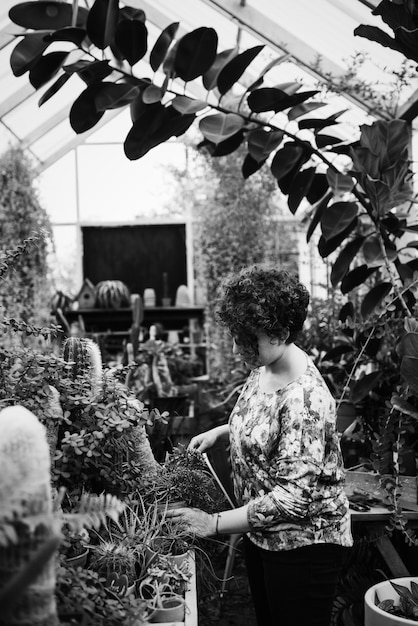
<point>286,463</point>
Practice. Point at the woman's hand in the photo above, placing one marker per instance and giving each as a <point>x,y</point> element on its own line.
<point>196,521</point>
<point>204,441</point>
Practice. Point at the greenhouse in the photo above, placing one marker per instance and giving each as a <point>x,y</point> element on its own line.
<point>208,306</point>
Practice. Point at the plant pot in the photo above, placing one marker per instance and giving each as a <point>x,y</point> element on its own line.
<point>78,561</point>
<point>171,610</point>
<point>373,616</point>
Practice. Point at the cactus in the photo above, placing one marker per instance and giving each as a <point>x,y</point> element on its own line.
<point>26,517</point>
<point>112,294</point>
<point>86,359</point>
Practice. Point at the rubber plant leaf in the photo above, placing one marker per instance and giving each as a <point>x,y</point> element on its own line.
<point>74,35</point>
<point>273,99</point>
<point>262,142</point>
<point>227,146</point>
<point>220,126</point>
<point>303,109</point>
<point>46,15</point>
<point>115,96</point>
<point>131,39</point>
<point>337,352</point>
<point>250,166</point>
<point>89,72</point>
<point>337,217</point>
<point>344,259</point>
<point>195,53</point>
<point>320,207</point>
<point>409,363</point>
<point>346,311</point>
<point>102,21</point>
<point>152,94</point>
<point>153,127</point>
<point>83,113</point>
<point>235,68</point>
<point>183,104</point>
<point>322,140</point>
<point>27,53</point>
<point>318,124</point>
<point>374,298</point>
<point>356,277</point>
<point>299,188</point>
<point>56,86</point>
<point>318,188</point>
<point>326,246</point>
<point>362,387</point>
<point>287,157</point>
<point>403,406</point>
<point>373,254</point>
<point>161,46</point>
<point>222,58</point>
<point>339,183</point>
<point>46,68</point>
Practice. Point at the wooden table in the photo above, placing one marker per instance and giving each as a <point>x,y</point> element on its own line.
<point>373,523</point>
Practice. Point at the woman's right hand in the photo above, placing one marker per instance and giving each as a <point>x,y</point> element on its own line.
<point>204,441</point>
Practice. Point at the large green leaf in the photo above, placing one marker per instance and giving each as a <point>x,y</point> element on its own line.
<point>273,99</point>
<point>131,39</point>
<point>46,68</point>
<point>339,183</point>
<point>344,259</point>
<point>318,123</point>
<point>356,277</point>
<point>318,188</point>
<point>326,246</point>
<point>219,127</point>
<point>322,140</point>
<point>27,53</point>
<point>262,142</point>
<point>337,217</point>
<point>153,127</point>
<point>225,147</point>
<point>114,96</point>
<point>83,113</point>
<point>373,254</point>
<point>299,188</point>
<point>409,363</point>
<point>52,90</point>
<point>235,68</point>
<point>222,58</point>
<point>74,35</point>
<point>195,54</point>
<point>292,154</point>
<point>374,297</point>
<point>319,209</point>
<point>102,21</point>
<point>89,71</point>
<point>362,387</point>
<point>303,109</point>
<point>250,166</point>
<point>183,104</point>
<point>162,45</point>
<point>46,15</point>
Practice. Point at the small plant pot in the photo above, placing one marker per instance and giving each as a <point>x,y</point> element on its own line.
<point>373,615</point>
<point>168,608</point>
<point>78,561</point>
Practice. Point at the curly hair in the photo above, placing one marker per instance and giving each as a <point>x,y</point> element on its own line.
<point>262,299</point>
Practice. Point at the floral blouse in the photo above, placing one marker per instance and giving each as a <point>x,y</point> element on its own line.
<point>287,464</point>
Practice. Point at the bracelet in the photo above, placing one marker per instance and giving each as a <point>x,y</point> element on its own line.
<point>218,515</point>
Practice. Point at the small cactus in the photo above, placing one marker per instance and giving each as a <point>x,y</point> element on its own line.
<point>25,490</point>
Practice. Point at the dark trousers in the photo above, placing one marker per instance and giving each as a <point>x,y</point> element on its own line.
<point>293,587</point>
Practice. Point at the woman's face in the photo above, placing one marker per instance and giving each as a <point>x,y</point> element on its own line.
<point>269,350</point>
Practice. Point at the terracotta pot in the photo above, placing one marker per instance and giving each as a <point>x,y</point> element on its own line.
<point>373,616</point>
<point>80,560</point>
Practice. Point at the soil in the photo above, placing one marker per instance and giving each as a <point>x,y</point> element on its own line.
<point>235,607</point>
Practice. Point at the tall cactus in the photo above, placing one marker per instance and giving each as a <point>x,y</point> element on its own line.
<point>26,517</point>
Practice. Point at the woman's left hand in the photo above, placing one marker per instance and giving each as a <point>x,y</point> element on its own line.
<point>199,522</point>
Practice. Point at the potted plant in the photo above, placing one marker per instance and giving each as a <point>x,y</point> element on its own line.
<point>392,602</point>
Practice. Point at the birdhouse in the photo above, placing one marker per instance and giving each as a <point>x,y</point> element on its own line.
<point>86,296</point>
